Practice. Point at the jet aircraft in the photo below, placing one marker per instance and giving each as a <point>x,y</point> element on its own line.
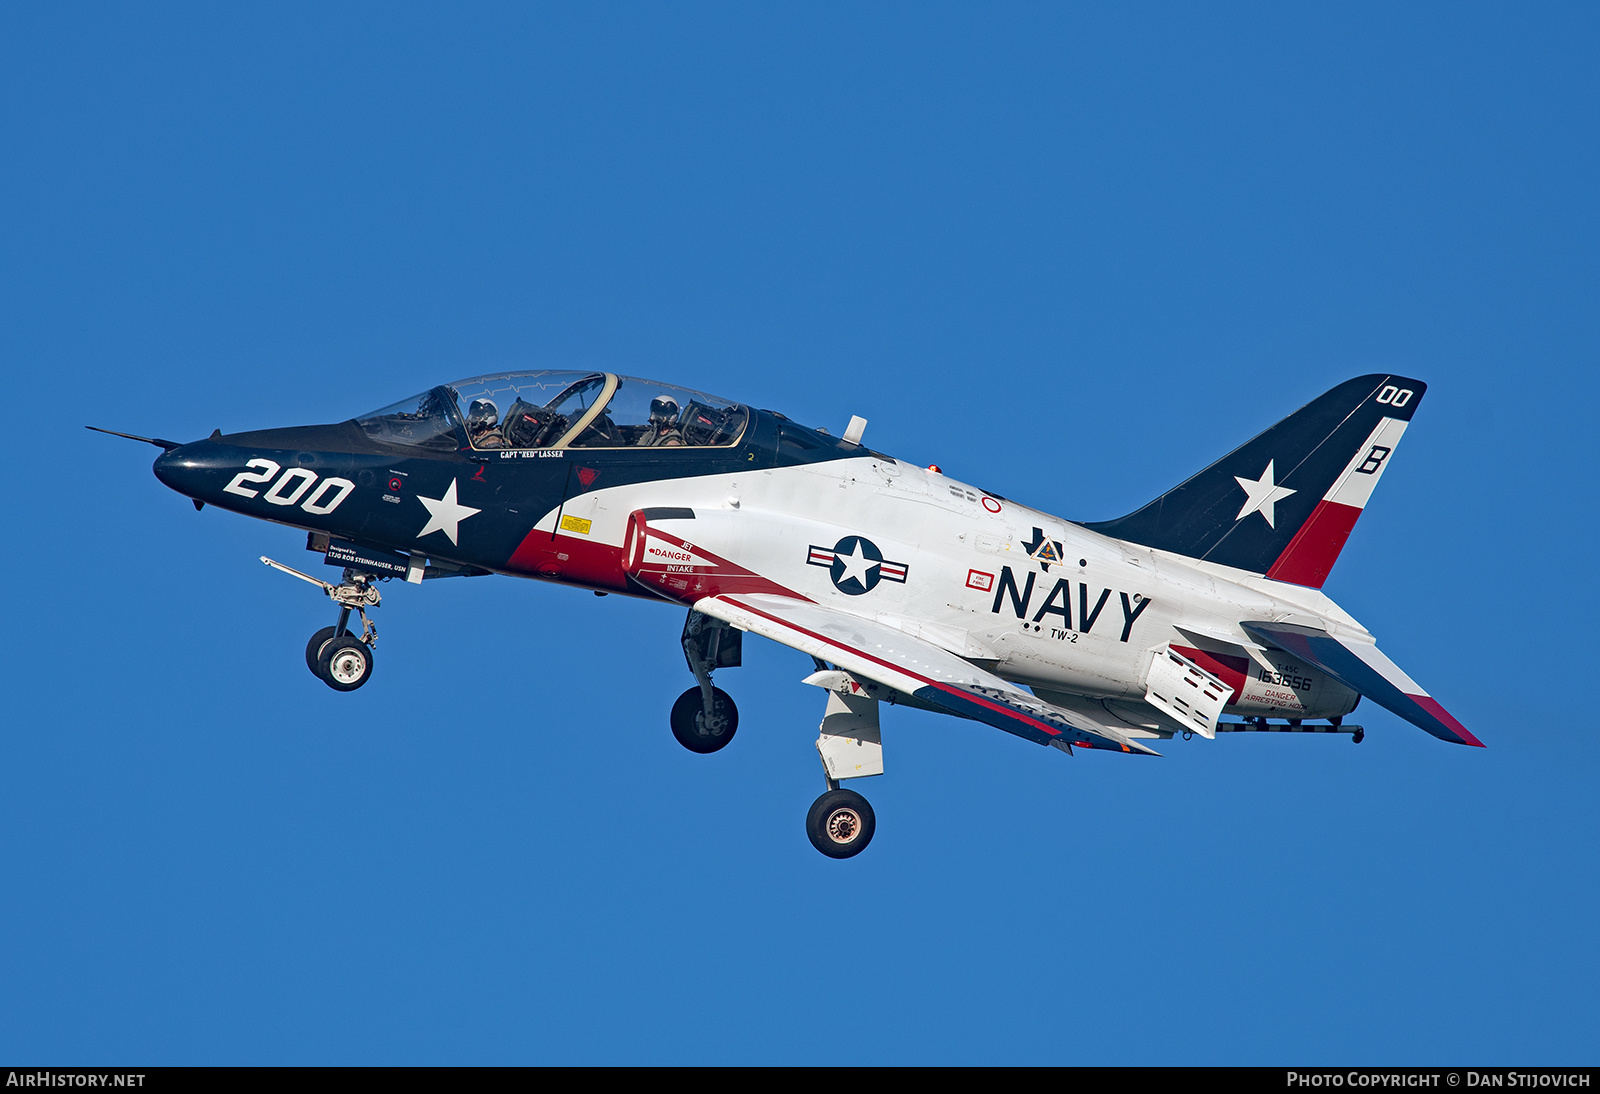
<point>904,585</point>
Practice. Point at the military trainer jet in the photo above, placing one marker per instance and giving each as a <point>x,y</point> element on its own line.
<point>903,585</point>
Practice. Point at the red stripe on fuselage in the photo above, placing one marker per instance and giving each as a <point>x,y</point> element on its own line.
<point>582,561</point>
<point>577,559</point>
<point>693,583</point>
<point>1316,546</point>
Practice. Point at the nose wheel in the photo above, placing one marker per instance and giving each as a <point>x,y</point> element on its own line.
<point>318,643</point>
<point>840,824</point>
<point>345,663</point>
<point>334,655</point>
<point>339,659</point>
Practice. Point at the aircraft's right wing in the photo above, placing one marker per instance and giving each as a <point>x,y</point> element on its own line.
<point>937,677</point>
<point>1363,667</point>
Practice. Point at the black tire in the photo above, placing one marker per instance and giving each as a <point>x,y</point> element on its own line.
<point>314,648</point>
<point>689,716</point>
<point>841,824</point>
<point>345,664</point>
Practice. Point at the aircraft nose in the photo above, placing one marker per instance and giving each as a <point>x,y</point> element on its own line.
<point>188,468</point>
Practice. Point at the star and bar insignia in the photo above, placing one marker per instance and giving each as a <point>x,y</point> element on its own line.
<point>856,565</point>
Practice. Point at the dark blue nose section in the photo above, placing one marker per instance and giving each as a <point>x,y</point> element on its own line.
<point>192,469</point>
<point>307,468</point>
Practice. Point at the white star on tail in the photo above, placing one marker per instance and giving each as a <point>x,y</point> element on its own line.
<point>444,514</point>
<point>1261,496</point>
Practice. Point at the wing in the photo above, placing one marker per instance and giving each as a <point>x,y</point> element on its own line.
<point>1362,666</point>
<point>935,677</point>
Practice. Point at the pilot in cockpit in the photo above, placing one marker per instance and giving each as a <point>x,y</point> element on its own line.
<point>482,418</point>
<point>662,431</point>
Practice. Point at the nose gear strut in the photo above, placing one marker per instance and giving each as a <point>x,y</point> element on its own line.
<point>338,658</point>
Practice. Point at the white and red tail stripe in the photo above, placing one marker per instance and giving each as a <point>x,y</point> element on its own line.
<point>1316,546</point>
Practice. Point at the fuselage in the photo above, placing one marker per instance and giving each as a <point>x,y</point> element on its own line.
<point>1034,598</point>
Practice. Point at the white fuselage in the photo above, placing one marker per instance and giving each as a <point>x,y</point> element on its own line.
<point>1035,599</point>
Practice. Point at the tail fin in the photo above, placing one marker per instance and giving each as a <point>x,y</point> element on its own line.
<point>1284,503</point>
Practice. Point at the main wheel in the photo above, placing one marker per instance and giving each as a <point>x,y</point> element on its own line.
<point>840,823</point>
<point>697,733</point>
<point>345,664</point>
<point>314,648</point>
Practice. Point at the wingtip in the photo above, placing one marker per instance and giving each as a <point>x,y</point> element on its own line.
<point>1444,718</point>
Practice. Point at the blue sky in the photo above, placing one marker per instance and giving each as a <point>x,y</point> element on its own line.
<point>1070,254</point>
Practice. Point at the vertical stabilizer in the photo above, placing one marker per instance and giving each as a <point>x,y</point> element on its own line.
<point>1284,503</point>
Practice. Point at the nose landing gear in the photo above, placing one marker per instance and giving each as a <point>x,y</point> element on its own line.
<point>338,658</point>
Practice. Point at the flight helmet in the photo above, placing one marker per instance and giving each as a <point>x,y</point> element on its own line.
<point>663,411</point>
<point>483,414</point>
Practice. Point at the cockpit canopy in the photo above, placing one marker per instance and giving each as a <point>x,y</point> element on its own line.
<point>552,409</point>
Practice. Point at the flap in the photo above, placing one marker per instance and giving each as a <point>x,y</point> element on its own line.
<point>910,665</point>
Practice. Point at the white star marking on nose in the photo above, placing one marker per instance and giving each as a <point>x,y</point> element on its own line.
<point>444,514</point>
<point>856,565</point>
<point>1261,496</point>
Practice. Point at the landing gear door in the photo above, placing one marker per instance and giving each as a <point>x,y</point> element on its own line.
<point>717,646</point>
<point>851,744</point>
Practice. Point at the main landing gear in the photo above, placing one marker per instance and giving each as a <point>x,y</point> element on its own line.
<point>705,718</point>
<point>334,655</point>
<point>700,728</point>
<point>840,823</point>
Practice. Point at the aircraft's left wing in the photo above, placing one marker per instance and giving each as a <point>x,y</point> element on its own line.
<point>910,665</point>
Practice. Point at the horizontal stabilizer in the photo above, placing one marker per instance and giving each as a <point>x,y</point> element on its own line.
<point>1362,666</point>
